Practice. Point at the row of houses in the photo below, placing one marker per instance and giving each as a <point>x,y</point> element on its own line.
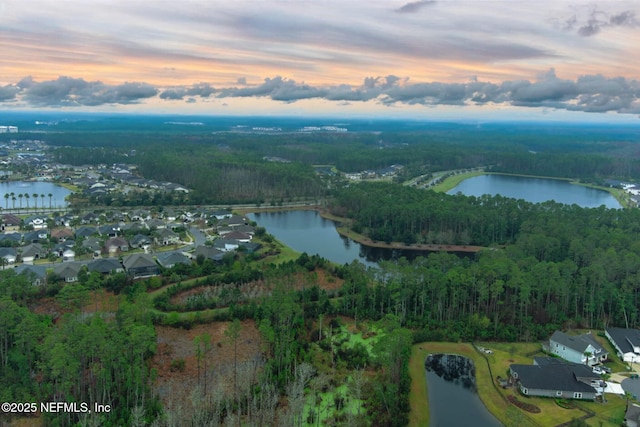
<point>575,372</point>
<point>136,265</point>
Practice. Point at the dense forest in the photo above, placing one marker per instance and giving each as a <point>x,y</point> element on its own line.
<point>546,265</point>
<point>228,167</point>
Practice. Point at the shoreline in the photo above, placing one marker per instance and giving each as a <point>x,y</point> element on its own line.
<point>345,231</point>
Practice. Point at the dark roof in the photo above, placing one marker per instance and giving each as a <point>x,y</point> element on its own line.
<point>68,269</point>
<point>551,377</point>
<point>138,261</point>
<point>14,237</point>
<point>237,235</point>
<point>8,251</point>
<point>579,370</point>
<point>11,219</point>
<point>578,343</point>
<point>38,270</point>
<point>624,338</point>
<point>209,252</point>
<point>104,265</point>
<point>86,231</point>
<point>172,258</point>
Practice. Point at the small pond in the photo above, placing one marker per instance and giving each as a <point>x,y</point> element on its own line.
<point>453,400</point>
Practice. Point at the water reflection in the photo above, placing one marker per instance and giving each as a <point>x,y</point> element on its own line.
<point>453,400</point>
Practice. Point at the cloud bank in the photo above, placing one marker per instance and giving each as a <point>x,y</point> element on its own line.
<point>589,93</point>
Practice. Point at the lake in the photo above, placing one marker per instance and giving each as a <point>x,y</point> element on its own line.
<point>307,231</point>
<point>57,192</point>
<point>536,190</point>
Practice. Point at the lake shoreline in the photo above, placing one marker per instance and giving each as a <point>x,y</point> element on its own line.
<point>344,230</point>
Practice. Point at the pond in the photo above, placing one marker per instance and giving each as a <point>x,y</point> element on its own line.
<point>307,231</point>
<point>536,190</point>
<point>453,400</point>
<point>57,199</point>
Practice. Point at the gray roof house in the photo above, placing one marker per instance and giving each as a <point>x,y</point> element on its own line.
<point>626,342</point>
<point>166,237</point>
<point>9,255</point>
<point>32,252</point>
<point>115,244</point>
<point>170,259</point>
<point>68,271</point>
<point>37,273</point>
<point>139,241</point>
<point>105,266</point>
<point>140,265</point>
<point>86,231</point>
<point>209,252</point>
<point>583,349</point>
<point>551,380</point>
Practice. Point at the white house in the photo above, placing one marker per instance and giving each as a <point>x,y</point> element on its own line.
<point>582,349</point>
<point>626,342</point>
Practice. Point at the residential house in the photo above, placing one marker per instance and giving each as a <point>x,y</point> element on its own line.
<point>583,349</point>
<point>169,214</point>
<point>109,230</point>
<point>115,244</point>
<point>62,234</point>
<point>155,224</point>
<point>140,265</point>
<point>140,215</point>
<point>551,380</point>
<point>234,221</point>
<point>240,237</point>
<point>226,245</point>
<point>221,214</point>
<point>11,222</point>
<point>38,222</point>
<point>8,256</point>
<point>93,245</point>
<point>37,273</point>
<point>133,227</point>
<point>32,252</point>
<point>140,241</point>
<point>105,266</point>
<point>626,342</point>
<point>35,236</point>
<point>170,259</point>
<point>209,252</point>
<point>11,239</point>
<point>86,231</point>
<point>90,218</point>
<point>167,237</point>
<point>68,271</point>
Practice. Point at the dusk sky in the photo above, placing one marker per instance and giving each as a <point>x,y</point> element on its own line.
<point>484,59</point>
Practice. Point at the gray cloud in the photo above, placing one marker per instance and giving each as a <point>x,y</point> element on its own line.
<point>596,20</point>
<point>414,6</point>
<point>8,92</point>
<point>589,93</point>
<point>68,91</point>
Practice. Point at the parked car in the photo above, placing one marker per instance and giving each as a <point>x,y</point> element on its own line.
<point>598,370</point>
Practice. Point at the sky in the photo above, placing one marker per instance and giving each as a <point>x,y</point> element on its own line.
<point>563,60</point>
